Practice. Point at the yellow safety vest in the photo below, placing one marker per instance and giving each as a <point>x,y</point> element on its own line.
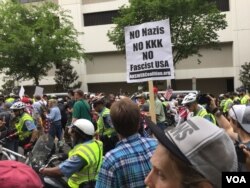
<point>222,103</point>
<point>226,106</point>
<point>202,113</point>
<point>165,103</point>
<point>244,99</point>
<point>102,129</point>
<point>10,100</point>
<point>19,126</point>
<point>213,120</point>
<point>91,152</point>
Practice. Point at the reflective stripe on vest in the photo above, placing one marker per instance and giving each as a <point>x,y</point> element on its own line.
<point>19,126</point>
<point>92,153</point>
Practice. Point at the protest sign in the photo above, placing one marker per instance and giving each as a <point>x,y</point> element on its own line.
<point>21,92</point>
<point>149,52</point>
<point>38,91</point>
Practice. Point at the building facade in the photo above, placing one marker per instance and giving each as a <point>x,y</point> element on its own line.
<point>106,72</point>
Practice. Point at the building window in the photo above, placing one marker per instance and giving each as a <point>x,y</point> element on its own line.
<point>222,5</point>
<point>99,18</point>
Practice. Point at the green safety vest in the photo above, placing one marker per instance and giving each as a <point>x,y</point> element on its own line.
<point>91,152</point>
<point>19,126</point>
<point>222,103</point>
<point>10,100</point>
<point>165,103</point>
<point>102,128</point>
<point>203,112</point>
<point>226,106</point>
<point>244,99</point>
<point>212,118</point>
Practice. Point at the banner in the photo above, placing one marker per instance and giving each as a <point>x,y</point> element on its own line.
<point>149,52</point>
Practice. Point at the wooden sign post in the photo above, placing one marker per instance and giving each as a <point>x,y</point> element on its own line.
<point>152,101</point>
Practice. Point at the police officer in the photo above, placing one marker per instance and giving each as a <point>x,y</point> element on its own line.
<point>244,97</point>
<point>105,128</point>
<point>228,103</point>
<point>84,160</point>
<point>25,126</point>
<point>190,101</point>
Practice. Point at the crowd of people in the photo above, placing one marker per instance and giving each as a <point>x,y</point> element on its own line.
<point>114,142</point>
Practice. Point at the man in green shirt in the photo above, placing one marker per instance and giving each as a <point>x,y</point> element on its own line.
<point>81,108</point>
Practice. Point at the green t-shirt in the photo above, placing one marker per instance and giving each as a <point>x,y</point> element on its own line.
<point>81,110</point>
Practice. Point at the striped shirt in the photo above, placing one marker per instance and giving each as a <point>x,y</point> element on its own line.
<point>128,164</point>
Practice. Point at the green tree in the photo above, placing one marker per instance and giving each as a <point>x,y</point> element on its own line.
<point>245,75</point>
<point>66,77</point>
<point>8,86</point>
<point>33,39</point>
<point>194,23</point>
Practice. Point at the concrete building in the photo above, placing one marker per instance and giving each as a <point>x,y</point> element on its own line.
<point>218,72</point>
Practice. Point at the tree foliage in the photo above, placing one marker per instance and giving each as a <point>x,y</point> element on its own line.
<point>34,38</point>
<point>8,86</point>
<point>66,77</point>
<point>194,23</point>
<point>245,75</point>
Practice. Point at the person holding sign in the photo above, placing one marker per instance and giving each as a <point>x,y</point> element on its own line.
<point>149,57</point>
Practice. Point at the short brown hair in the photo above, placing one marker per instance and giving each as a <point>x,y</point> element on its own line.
<point>79,92</point>
<point>125,116</point>
<point>38,97</point>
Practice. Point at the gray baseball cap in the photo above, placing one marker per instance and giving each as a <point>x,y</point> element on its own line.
<point>199,143</point>
<point>241,113</point>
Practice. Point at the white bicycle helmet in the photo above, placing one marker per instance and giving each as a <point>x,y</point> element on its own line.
<point>17,106</point>
<point>189,98</point>
<point>85,126</point>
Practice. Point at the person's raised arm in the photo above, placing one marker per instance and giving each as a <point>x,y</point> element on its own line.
<point>222,120</point>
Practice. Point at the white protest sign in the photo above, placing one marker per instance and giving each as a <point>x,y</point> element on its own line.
<point>21,92</point>
<point>38,91</point>
<point>149,52</point>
